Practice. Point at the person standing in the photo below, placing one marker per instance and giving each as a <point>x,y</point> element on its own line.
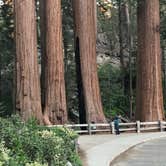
<point>116,124</point>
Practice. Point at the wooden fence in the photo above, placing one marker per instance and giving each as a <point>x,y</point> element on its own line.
<point>123,127</point>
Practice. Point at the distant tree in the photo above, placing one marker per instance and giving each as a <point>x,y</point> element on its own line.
<point>163,44</point>
<point>69,60</point>
<point>125,52</point>
<point>149,99</point>
<point>28,101</point>
<point>85,45</point>
<point>123,38</point>
<point>53,83</point>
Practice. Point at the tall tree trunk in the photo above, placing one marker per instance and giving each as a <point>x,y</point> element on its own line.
<point>28,101</point>
<point>120,40</point>
<point>149,85</point>
<point>85,38</point>
<point>53,72</point>
<point>125,42</point>
<point>130,43</point>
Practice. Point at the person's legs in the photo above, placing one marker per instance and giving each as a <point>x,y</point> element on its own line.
<point>117,129</point>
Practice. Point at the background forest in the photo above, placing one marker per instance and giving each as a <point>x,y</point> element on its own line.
<point>116,56</point>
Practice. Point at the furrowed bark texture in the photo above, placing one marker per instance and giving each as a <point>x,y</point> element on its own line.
<point>85,36</point>
<point>53,73</point>
<point>28,101</point>
<point>149,85</point>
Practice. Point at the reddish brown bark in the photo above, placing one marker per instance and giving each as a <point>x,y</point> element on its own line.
<point>54,104</point>
<point>28,101</point>
<point>85,38</point>
<point>149,86</point>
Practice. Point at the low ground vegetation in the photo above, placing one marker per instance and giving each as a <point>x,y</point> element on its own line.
<point>27,144</point>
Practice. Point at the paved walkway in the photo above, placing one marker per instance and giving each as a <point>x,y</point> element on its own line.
<point>100,150</point>
<point>151,153</point>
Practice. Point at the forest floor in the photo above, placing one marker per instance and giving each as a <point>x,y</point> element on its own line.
<point>101,150</point>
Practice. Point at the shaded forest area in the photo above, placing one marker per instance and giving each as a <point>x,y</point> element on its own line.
<point>127,37</point>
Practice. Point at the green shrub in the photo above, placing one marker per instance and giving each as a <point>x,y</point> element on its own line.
<point>30,145</point>
<point>114,100</point>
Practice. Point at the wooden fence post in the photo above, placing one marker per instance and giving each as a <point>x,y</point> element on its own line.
<point>161,125</point>
<point>89,128</point>
<point>112,128</point>
<point>138,126</point>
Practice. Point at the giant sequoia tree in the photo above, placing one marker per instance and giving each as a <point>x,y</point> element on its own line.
<point>149,86</point>
<point>28,101</point>
<point>53,84</point>
<point>85,40</point>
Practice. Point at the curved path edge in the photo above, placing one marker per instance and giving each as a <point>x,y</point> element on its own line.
<point>101,150</point>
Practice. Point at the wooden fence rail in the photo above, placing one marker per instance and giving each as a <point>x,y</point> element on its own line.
<point>123,127</point>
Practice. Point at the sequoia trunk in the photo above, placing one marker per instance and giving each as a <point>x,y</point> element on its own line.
<point>85,39</point>
<point>28,101</point>
<point>149,85</point>
<point>53,66</point>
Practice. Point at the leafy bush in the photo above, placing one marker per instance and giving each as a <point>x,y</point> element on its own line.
<point>27,144</point>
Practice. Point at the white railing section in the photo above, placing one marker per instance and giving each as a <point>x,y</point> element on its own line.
<point>123,127</point>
